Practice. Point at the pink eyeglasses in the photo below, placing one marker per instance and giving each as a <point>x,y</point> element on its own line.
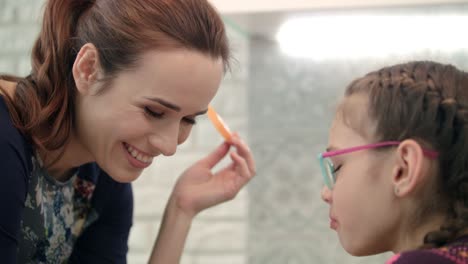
<point>328,170</point>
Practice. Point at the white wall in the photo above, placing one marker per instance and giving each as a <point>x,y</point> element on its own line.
<point>252,6</point>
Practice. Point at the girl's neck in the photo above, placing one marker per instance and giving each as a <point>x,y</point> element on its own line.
<point>411,238</point>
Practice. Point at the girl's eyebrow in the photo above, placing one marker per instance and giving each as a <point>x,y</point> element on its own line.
<point>331,148</point>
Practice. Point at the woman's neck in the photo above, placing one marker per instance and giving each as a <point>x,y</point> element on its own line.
<point>61,163</point>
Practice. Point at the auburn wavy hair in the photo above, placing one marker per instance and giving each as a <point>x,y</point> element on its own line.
<point>42,106</point>
<point>428,102</point>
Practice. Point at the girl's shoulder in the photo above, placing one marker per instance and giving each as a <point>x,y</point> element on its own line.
<point>453,253</point>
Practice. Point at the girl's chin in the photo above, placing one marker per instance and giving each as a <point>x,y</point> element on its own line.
<point>360,250</point>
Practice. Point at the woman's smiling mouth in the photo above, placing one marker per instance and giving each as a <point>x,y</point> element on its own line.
<point>136,157</point>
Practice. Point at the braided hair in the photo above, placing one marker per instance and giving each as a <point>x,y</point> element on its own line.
<point>428,102</point>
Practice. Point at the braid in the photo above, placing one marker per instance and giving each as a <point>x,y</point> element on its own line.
<point>428,102</point>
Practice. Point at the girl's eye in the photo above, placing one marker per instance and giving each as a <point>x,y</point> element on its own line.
<point>334,173</point>
<point>153,113</point>
<point>337,169</point>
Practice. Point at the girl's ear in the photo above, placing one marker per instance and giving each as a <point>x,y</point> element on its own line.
<point>86,69</point>
<point>411,168</point>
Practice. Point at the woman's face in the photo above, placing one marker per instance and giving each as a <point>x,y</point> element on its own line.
<point>145,112</point>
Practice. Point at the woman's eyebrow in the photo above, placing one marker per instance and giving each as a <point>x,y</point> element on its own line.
<point>164,103</point>
<point>172,106</point>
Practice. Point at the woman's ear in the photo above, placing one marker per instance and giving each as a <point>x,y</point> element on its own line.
<point>411,168</point>
<point>86,69</point>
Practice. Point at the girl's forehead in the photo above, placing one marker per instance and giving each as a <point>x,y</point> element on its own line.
<point>352,119</point>
<point>342,135</point>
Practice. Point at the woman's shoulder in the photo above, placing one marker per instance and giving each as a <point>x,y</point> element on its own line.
<point>456,252</point>
<point>8,88</point>
<point>8,131</point>
<point>11,139</point>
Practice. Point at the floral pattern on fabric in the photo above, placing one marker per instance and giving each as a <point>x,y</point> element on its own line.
<point>55,215</point>
<point>456,253</point>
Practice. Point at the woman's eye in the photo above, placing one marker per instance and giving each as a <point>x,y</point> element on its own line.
<point>190,121</point>
<point>153,113</point>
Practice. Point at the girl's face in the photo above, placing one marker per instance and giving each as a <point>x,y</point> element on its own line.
<point>362,201</point>
<point>145,112</point>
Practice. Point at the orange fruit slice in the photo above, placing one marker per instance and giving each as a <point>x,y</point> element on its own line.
<point>219,123</point>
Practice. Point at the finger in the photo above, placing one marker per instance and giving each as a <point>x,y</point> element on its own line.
<point>216,155</point>
<point>244,151</point>
<point>241,166</point>
<point>231,167</point>
<point>228,168</point>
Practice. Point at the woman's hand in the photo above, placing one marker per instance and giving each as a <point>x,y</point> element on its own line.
<point>199,188</point>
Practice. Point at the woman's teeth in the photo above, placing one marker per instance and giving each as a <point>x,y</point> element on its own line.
<point>138,155</point>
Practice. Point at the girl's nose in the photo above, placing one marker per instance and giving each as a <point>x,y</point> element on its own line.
<point>326,194</point>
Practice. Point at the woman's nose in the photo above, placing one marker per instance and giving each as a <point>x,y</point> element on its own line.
<point>165,142</point>
<point>168,147</point>
<point>326,194</point>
